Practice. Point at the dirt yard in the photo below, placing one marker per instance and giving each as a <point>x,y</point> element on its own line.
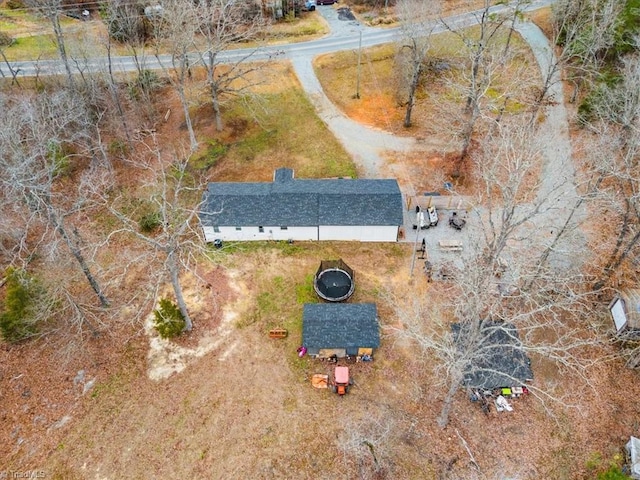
<point>227,401</point>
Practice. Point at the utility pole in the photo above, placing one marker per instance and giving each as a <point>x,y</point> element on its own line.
<point>415,243</point>
<point>358,69</point>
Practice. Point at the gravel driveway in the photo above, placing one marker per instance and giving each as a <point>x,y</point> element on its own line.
<point>366,144</point>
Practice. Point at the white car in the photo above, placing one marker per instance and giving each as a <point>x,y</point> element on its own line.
<point>432,217</point>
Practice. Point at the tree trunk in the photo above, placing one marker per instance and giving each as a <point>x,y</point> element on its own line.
<point>216,108</point>
<point>443,418</point>
<point>113,86</point>
<point>174,272</point>
<point>415,79</point>
<point>467,135</point>
<point>181,71</point>
<point>57,29</point>
<point>214,92</point>
<point>542,95</point>
<point>77,254</point>
<point>187,118</point>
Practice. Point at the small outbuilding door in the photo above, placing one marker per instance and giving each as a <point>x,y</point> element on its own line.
<point>329,352</point>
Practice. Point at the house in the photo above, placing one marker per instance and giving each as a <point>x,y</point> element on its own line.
<point>625,312</point>
<point>496,357</point>
<point>340,329</point>
<point>365,210</point>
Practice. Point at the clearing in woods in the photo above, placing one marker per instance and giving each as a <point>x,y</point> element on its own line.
<point>229,402</point>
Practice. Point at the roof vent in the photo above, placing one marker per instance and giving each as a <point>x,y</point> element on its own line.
<point>282,175</point>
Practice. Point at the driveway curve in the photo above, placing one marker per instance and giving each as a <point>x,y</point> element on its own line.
<point>364,144</point>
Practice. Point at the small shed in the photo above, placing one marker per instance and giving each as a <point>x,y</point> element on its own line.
<point>633,456</point>
<point>340,329</point>
<point>625,312</point>
<point>498,361</point>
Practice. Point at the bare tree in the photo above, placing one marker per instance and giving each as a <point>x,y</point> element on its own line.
<point>172,210</point>
<point>222,24</point>
<point>418,19</point>
<point>505,295</point>
<point>51,10</point>
<point>614,160</point>
<point>486,59</point>
<point>586,30</point>
<point>176,27</point>
<point>583,33</point>
<point>36,144</point>
<point>366,441</point>
<point>131,25</point>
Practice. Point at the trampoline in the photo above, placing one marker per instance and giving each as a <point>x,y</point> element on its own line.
<point>334,281</point>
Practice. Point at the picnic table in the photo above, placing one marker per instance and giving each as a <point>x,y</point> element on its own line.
<point>450,245</point>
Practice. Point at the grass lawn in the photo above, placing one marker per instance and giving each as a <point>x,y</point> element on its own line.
<point>278,127</point>
<point>382,104</point>
<point>33,39</point>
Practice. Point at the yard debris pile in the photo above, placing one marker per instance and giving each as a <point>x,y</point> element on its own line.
<point>320,380</point>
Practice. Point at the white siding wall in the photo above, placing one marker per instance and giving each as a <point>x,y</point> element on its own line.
<point>348,233</point>
<point>332,232</point>
<point>359,233</point>
<point>254,233</point>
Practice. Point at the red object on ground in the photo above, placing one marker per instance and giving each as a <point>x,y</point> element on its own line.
<point>342,375</point>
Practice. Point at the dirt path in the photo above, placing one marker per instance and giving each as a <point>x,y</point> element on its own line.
<point>364,144</point>
<point>558,176</point>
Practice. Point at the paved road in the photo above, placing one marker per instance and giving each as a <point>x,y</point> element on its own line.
<point>366,144</point>
<point>344,36</point>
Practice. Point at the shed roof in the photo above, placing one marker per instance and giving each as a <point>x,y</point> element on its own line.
<point>497,359</point>
<point>631,299</point>
<point>288,201</point>
<point>340,325</point>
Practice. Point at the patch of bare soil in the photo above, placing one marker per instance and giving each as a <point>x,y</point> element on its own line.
<point>226,401</point>
<point>207,407</point>
<point>213,312</point>
<point>426,171</point>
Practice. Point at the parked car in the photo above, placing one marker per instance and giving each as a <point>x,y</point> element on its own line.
<point>310,5</point>
<point>425,219</point>
<point>432,217</point>
<point>327,2</point>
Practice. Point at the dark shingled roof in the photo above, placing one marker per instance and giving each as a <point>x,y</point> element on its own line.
<point>295,202</point>
<point>340,325</point>
<point>498,360</point>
